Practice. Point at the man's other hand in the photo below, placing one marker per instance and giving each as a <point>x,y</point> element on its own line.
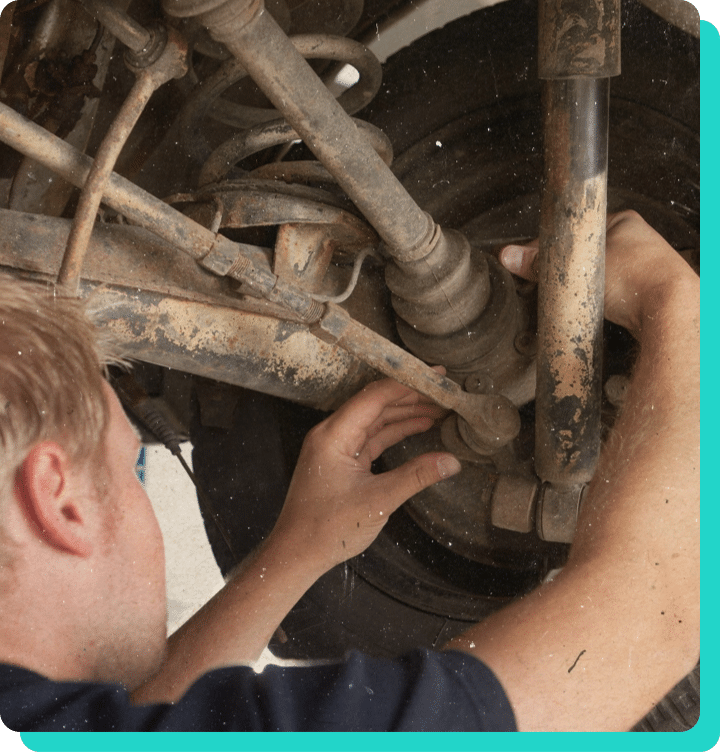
<point>639,266</point>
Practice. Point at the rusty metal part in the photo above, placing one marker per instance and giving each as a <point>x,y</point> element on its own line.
<point>312,228</point>
<point>164,309</point>
<point>352,282</point>
<point>205,98</point>
<point>215,252</point>
<point>513,503</point>
<point>579,38</point>
<point>491,421</point>
<point>248,142</point>
<point>257,352</point>
<point>255,39</point>
<point>61,32</point>
<point>171,63</point>
<point>459,514</point>
<point>132,34</point>
<point>251,203</point>
<point>448,304</point>
<point>137,205</point>
<point>571,281</point>
<point>557,512</point>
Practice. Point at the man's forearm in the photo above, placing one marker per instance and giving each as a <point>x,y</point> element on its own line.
<point>594,649</point>
<point>236,625</point>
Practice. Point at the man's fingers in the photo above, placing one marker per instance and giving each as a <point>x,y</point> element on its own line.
<point>397,414</point>
<point>365,413</point>
<point>521,260</point>
<point>390,434</point>
<point>405,481</point>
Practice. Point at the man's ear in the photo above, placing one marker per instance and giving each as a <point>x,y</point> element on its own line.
<point>55,498</point>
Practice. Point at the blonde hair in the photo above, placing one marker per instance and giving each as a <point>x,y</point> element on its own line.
<point>52,361</point>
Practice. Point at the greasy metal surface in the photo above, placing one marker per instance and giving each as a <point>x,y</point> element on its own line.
<point>205,99</point>
<point>165,309</point>
<point>172,63</point>
<point>458,513</point>
<point>291,85</point>
<point>571,281</point>
<point>578,38</point>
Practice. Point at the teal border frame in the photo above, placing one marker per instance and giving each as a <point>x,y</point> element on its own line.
<point>703,736</point>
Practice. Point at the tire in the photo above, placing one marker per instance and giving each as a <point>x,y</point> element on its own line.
<point>462,109</point>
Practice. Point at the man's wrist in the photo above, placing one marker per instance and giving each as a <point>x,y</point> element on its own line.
<point>285,550</point>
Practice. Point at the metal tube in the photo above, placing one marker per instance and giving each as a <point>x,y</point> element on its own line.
<point>132,34</point>
<point>132,202</point>
<point>571,280</point>
<point>92,192</point>
<point>579,39</point>
<point>171,63</point>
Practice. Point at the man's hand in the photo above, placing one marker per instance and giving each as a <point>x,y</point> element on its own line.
<point>639,267</point>
<point>336,506</point>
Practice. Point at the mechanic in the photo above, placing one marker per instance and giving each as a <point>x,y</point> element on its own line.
<point>82,634</point>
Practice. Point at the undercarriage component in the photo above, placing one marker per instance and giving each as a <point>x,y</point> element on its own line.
<point>163,309</point>
<point>577,55</point>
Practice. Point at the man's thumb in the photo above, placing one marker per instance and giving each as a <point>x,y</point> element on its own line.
<point>417,474</point>
<point>520,260</point>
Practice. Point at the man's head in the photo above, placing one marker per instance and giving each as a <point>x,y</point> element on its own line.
<point>51,360</point>
<point>81,557</point>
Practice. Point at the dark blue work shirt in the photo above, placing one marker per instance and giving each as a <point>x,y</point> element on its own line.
<point>421,691</point>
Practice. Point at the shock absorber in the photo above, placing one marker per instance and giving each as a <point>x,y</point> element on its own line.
<point>578,53</point>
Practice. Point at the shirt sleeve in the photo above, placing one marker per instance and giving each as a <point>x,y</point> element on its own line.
<point>421,691</point>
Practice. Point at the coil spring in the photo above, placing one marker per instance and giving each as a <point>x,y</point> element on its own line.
<point>262,128</point>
